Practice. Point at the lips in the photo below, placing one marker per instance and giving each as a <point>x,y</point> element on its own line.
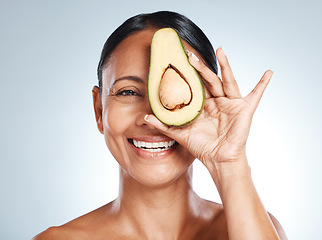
<point>153,146</point>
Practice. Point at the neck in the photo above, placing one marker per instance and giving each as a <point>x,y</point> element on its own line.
<point>156,211</point>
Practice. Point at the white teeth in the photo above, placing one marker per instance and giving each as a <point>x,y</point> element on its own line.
<point>154,146</point>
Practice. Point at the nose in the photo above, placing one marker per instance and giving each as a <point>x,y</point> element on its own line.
<point>140,121</point>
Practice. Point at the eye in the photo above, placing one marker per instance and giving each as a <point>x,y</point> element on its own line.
<point>128,93</point>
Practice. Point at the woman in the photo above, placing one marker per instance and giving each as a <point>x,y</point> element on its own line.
<point>156,200</point>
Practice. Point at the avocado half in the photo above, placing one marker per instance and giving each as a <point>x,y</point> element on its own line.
<point>175,89</point>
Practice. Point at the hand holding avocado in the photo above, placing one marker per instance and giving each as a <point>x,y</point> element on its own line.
<point>219,134</point>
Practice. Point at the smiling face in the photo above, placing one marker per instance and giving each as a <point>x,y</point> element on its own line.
<point>143,152</point>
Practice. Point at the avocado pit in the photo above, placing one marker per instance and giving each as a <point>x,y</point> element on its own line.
<point>174,92</point>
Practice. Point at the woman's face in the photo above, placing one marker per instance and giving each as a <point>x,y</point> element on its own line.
<point>143,152</point>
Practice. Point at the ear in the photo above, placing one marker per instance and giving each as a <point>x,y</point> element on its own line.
<point>98,108</point>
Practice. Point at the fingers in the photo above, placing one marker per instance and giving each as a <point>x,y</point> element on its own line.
<point>228,86</point>
<point>229,83</point>
<point>213,82</point>
<point>256,94</point>
<point>154,122</point>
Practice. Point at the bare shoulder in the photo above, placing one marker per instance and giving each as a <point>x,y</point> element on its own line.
<point>67,231</point>
<point>219,228</point>
<point>55,233</point>
<point>81,228</point>
<point>216,211</point>
<point>214,219</point>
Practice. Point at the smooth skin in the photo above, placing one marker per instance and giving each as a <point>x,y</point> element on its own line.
<point>156,199</point>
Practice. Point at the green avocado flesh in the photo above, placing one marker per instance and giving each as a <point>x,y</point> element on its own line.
<point>175,89</point>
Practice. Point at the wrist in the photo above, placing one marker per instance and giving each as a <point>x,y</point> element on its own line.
<point>233,167</point>
<point>229,172</point>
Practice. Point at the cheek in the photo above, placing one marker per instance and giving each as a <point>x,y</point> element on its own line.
<point>117,118</point>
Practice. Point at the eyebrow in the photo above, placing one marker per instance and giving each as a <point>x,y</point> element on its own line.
<point>131,78</point>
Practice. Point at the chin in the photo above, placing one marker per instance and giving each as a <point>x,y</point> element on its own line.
<point>158,176</point>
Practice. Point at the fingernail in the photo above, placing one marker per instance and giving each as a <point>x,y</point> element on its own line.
<point>193,56</point>
<point>222,52</point>
<point>146,118</point>
<point>220,47</point>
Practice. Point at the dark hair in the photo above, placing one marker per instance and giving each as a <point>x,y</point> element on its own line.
<point>186,29</point>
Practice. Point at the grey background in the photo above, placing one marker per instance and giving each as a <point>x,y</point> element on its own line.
<point>54,163</point>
